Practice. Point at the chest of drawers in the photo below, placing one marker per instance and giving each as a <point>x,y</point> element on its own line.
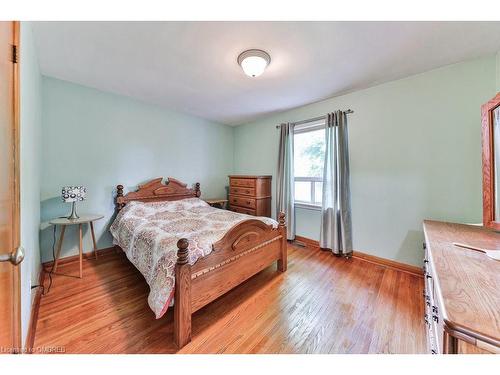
<point>462,298</point>
<point>250,195</point>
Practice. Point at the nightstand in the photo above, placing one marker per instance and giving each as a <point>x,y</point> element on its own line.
<point>64,222</point>
<point>217,203</point>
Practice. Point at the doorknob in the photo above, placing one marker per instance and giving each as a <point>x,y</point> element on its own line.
<point>15,257</point>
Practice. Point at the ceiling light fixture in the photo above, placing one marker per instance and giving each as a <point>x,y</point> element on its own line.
<point>254,62</point>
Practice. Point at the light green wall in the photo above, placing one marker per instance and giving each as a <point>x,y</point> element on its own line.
<point>30,152</point>
<point>415,151</point>
<point>99,140</point>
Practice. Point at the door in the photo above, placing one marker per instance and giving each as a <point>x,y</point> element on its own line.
<point>10,255</point>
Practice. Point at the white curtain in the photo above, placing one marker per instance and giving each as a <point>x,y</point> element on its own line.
<point>336,227</point>
<point>285,183</point>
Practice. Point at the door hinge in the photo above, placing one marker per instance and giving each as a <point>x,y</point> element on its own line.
<point>14,54</point>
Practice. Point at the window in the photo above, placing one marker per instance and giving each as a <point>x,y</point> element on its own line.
<point>309,155</point>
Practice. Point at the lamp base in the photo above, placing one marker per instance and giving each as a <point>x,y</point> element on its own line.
<point>73,215</point>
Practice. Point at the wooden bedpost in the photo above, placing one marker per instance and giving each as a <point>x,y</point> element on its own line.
<point>282,263</point>
<point>119,195</point>
<point>197,189</point>
<point>182,296</point>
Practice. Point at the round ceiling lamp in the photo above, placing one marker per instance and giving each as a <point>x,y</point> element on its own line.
<point>254,62</point>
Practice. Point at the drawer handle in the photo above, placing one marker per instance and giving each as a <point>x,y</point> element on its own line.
<point>435,318</point>
<point>434,309</point>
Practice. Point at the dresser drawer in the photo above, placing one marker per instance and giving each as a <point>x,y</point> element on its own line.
<point>235,200</point>
<point>242,191</point>
<point>242,182</point>
<point>432,309</point>
<point>242,210</point>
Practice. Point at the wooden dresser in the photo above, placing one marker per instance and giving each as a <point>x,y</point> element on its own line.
<point>462,289</point>
<point>250,195</point>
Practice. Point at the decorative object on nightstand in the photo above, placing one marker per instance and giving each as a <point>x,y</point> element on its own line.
<point>63,222</point>
<point>250,195</point>
<point>73,194</point>
<point>217,203</point>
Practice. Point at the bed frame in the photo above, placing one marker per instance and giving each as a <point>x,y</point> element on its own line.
<point>246,249</point>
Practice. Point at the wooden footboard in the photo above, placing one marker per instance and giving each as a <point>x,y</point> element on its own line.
<point>245,250</point>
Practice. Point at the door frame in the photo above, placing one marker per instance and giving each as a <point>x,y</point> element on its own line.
<point>16,235</point>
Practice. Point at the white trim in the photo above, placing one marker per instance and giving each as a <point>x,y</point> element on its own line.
<point>309,179</point>
<point>309,126</point>
<point>307,206</point>
<point>312,181</point>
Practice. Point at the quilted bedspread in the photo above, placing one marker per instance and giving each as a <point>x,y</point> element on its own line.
<point>148,233</point>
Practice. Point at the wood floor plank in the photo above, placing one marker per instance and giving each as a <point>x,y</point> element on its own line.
<point>302,309</point>
<point>340,325</point>
<point>322,304</point>
<point>256,314</point>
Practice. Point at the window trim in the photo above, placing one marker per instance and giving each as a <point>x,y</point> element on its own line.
<point>308,206</point>
<point>307,127</point>
<point>312,181</point>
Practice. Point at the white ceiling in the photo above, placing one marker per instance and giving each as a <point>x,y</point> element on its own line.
<point>191,66</point>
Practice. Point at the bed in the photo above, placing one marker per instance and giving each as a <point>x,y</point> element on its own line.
<point>190,253</point>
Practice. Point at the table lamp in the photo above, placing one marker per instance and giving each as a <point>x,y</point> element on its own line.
<point>73,194</point>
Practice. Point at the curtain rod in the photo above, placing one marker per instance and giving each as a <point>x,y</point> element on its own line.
<point>349,111</point>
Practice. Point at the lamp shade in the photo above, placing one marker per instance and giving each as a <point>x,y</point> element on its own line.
<point>73,193</point>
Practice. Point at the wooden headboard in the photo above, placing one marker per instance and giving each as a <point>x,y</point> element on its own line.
<point>155,191</point>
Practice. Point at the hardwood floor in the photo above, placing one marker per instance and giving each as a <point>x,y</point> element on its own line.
<point>322,304</point>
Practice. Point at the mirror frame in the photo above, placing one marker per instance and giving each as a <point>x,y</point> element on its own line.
<point>488,163</point>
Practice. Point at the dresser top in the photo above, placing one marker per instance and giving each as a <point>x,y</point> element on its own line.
<point>468,281</point>
<point>247,176</point>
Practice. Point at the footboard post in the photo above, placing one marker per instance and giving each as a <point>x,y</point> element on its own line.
<point>182,296</point>
<point>282,263</point>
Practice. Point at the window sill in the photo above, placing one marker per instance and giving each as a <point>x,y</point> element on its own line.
<point>308,206</point>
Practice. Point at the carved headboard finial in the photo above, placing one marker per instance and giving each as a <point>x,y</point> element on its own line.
<point>119,196</point>
<point>281,219</point>
<point>197,189</point>
<point>182,253</point>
